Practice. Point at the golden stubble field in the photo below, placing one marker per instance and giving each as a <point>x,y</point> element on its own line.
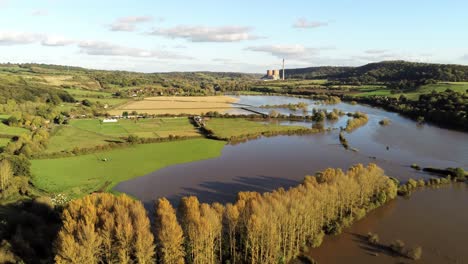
<point>177,105</point>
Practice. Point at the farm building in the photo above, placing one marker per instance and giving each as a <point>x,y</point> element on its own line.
<point>109,120</point>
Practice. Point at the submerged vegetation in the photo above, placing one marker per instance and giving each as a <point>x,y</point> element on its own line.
<point>359,119</point>
<point>447,176</point>
<point>384,122</point>
<point>293,107</point>
<point>397,247</point>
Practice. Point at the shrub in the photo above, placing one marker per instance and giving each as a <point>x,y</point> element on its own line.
<point>385,122</point>
<point>373,238</point>
<point>412,183</point>
<point>421,183</point>
<point>133,139</point>
<point>414,253</point>
<point>398,246</point>
<point>317,240</point>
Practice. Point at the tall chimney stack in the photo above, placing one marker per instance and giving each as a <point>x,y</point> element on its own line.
<point>283,69</point>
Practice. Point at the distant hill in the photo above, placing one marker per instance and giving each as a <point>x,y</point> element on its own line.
<point>385,72</point>
<point>32,82</point>
<point>315,72</point>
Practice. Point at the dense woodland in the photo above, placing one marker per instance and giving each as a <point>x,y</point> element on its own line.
<point>394,72</point>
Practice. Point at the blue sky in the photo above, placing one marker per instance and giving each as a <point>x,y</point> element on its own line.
<point>243,36</point>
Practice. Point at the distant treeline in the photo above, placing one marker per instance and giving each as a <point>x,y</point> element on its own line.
<point>397,73</point>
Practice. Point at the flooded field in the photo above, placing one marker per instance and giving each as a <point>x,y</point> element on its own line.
<point>435,219</point>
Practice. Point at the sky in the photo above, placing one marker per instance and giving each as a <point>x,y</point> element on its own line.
<point>239,36</point>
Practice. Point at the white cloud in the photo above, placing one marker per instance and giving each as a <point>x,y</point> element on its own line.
<point>109,49</point>
<point>39,12</point>
<point>129,23</point>
<point>18,38</point>
<point>207,34</point>
<point>465,57</point>
<point>387,55</point>
<point>22,38</point>
<point>376,51</point>
<point>223,60</point>
<point>180,47</point>
<point>304,23</point>
<point>56,41</point>
<point>296,52</point>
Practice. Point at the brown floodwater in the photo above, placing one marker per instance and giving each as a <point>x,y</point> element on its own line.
<point>434,219</point>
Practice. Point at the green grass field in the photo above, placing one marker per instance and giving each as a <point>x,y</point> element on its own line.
<point>86,133</point>
<point>88,93</point>
<point>439,87</point>
<point>147,128</point>
<point>68,137</point>
<point>12,131</point>
<point>413,95</point>
<point>370,90</point>
<point>4,142</point>
<point>226,128</point>
<point>80,175</point>
<point>8,130</point>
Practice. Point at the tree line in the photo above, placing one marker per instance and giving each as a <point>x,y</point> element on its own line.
<point>272,227</point>
<point>447,108</point>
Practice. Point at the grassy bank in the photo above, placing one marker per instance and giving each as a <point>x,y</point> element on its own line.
<point>227,128</point>
<point>77,176</point>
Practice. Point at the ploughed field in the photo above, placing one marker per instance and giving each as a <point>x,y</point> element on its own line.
<point>177,105</point>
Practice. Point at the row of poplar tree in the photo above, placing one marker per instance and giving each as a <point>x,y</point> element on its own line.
<point>272,227</point>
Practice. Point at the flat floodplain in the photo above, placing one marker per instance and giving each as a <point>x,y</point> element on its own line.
<point>84,174</point>
<point>177,105</point>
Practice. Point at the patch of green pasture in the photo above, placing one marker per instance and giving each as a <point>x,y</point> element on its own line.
<point>12,131</point>
<point>147,128</point>
<point>80,175</point>
<point>4,142</point>
<point>67,138</point>
<point>233,127</point>
<point>88,93</point>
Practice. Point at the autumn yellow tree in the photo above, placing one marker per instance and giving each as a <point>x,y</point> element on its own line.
<point>168,233</point>
<point>103,228</point>
<point>6,173</point>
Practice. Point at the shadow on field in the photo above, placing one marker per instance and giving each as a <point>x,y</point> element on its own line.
<point>28,230</point>
<point>225,192</point>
